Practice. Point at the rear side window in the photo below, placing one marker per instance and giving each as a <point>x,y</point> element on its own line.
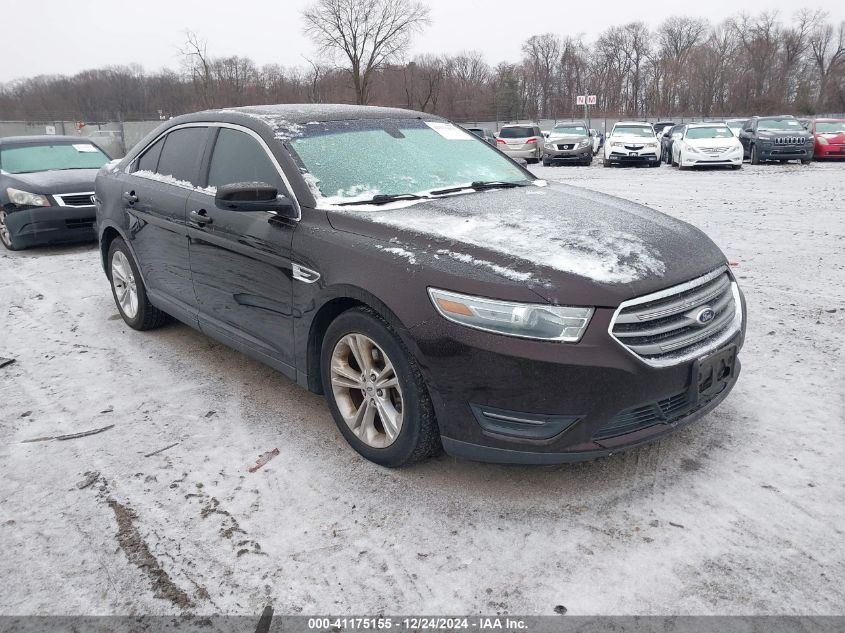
<point>149,159</point>
<point>240,158</point>
<point>182,153</point>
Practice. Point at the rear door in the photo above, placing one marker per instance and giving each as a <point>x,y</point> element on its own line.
<point>155,199</point>
<point>240,260</point>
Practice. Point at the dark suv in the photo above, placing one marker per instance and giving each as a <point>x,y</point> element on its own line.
<point>780,138</point>
<point>435,291</point>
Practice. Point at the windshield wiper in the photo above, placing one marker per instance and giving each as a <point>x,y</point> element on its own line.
<point>384,198</point>
<point>481,185</point>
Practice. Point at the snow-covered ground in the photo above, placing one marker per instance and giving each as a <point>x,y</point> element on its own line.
<point>741,513</point>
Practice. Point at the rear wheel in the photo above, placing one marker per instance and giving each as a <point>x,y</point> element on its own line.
<point>376,392</point>
<point>6,234</point>
<point>129,291</point>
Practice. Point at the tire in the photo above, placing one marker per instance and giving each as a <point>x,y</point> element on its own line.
<point>605,162</point>
<point>5,235</point>
<point>755,157</point>
<point>735,167</point>
<point>588,162</point>
<point>674,164</point>
<point>806,161</point>
<point>146,316</point>
<point>418,436</point>
<point>680,163</point>
<point>546,162</point>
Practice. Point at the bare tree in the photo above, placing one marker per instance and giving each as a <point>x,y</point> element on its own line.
<point>368,33</point>
<point>542,57</point>
<point>195,54</point>
<point>828,54</point>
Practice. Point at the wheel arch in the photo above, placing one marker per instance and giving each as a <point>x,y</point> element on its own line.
<point>337,301</point>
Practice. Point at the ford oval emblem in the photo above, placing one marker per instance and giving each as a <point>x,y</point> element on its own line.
<point>705,315</point>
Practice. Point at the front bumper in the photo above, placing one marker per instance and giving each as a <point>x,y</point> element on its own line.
<point>51,225</point>
<point>726,159</point>
<point>624,157</point>
<point>770,151</point>
<point>829,151</point>
<point>578,400</point>
<point>562,155</point>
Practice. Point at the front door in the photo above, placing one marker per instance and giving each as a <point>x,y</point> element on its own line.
<point>240,260</point>
<point>155,197</point>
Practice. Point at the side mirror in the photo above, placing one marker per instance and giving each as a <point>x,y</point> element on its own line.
<point>252,196</point>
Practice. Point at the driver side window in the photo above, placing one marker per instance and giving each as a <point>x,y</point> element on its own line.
<point>238,157</point>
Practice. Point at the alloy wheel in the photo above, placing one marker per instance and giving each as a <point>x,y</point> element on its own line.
<point>123,281</point>
<point>366,390</point>
<point>5,236</point>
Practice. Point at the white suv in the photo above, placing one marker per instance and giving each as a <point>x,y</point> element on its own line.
<point>632,143</point>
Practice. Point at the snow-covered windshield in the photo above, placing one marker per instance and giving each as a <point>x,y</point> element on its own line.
<point>721,131</point>
<point>830,127</point>
<point>356,160</point>
<point>569,130</point>
<point>780,125</point>
<point>22,159</point>
<point>633,130</point>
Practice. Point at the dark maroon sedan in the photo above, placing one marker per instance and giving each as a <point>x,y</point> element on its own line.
<point>435,291</point>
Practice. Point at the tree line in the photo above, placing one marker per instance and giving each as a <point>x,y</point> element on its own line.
<point>685,66</point>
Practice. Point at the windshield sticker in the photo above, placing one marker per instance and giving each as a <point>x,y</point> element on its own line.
<point>84,147</point>
<point>449,131</point>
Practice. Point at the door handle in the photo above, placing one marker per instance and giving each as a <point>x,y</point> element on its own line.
<point>200,216</point>
<point>130,198</point>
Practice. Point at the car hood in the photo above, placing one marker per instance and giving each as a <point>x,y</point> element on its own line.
<point>772,134</point>
<point>54,181</point>
<point>832,137</point>
<point>567,138</point>
<point>704,143</point>
<point>569,245</point>
<point>633,140</point>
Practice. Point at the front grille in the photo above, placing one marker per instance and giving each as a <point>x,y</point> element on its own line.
<point>789,140</point>
<point>80,223</point>
<point>671,326</point>
<point>76,199</point>
<point>716,150</point>
<point>565,146</point>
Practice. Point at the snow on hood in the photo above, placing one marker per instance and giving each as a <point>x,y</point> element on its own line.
<point>605,239</point>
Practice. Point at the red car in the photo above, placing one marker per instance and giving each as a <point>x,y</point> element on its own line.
<point>829,135</point>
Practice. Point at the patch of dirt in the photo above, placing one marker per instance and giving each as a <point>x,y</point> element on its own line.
<point>138,553</point>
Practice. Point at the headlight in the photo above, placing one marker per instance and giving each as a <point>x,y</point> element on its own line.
<point>692,149</point>
<point>584,143</point>
<point>527,320</point>
<point>26,199</point>
<point>617,144</point>
<point>822,140</point>
<point>651,144</point>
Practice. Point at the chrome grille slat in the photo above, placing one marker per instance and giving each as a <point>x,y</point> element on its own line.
<point>674,306</point>
<point>663,328</point>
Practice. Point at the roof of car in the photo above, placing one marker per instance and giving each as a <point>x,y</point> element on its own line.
<point>633,123</point>
<point>301,113</point>
<point>705,123</point>
<point>518,125</point>
<point>37,139</point>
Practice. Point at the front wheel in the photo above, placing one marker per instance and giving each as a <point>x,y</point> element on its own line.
<point>755,157</point>
<point>806,161</point>
<point>6,234</point>
<point>376,392</point>
<point>129,291</point>
<point>605,162</point>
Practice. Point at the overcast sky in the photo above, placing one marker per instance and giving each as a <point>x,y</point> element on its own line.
<point>57,36</point>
